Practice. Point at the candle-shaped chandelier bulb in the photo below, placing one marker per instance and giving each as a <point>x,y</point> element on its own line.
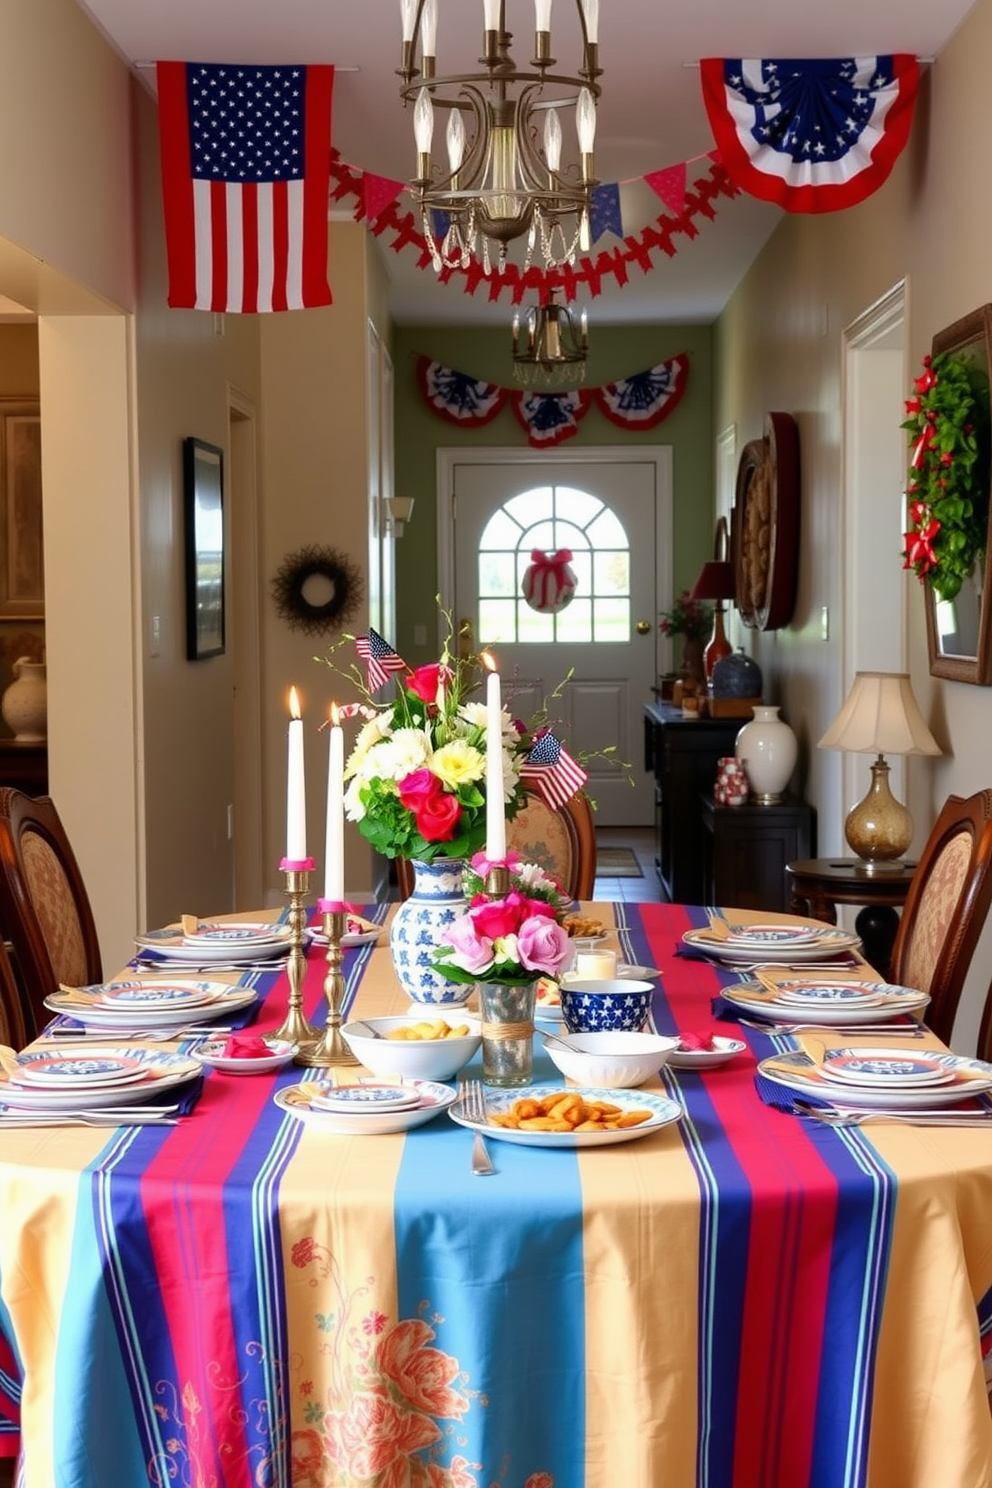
<point>490,14</point>
<point>428,33</point>
<point>585,121</point>
<point>552,140</point>
<point>423,122</point>
<point>590,10</point>
<point>408,14</point>
<point>542,15</point>
<point>455,138</point>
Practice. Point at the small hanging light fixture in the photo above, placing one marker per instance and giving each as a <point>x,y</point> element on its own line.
<point>549,346</point>
<point>505,179</point>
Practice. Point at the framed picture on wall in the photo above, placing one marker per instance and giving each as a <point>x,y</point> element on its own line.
<point>203,499</point>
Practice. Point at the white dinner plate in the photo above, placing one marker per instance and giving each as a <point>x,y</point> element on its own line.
<point>893,1002</point>
<point>827,942</point>
<point>971,1077</point>
<point>162,1071</point>
<point>86,1007</point>
<point>885,1069</point>
<point>94,1068</point>
<point>281,1052</point>
<point>638,973</point>
<point>723,1050</point>
<point>218,942</point>
<point>298,1101</point>
<point>663,1111</point>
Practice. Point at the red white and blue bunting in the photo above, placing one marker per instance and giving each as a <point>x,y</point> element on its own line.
<point>637,402</point>
<point>811,136</point>
<point>456,397</point>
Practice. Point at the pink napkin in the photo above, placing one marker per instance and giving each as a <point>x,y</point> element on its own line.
<point>246,1046</point>
<point>694,1043</point>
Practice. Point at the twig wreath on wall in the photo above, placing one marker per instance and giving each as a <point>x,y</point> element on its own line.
<point>315,588</point>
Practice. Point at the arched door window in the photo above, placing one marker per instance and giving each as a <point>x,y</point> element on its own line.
<point>549,518</point>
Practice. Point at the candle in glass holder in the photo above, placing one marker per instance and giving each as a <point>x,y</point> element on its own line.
<point>296,791</point>
<point>334,838</point>
<point>495,806</point>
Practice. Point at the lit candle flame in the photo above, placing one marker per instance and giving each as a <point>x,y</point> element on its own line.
<point>294,703</point>
<point>488,661</point>
<point>335,715</point>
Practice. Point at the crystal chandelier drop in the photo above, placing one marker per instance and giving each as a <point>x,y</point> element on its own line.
<point>549,346</point>
<point>505,180</point>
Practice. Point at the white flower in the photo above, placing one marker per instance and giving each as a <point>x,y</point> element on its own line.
<point>406,750</point>
<point>370,734</point>
<point>474,714</point>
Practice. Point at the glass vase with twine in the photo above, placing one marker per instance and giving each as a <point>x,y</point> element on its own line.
<point>507,1032</point>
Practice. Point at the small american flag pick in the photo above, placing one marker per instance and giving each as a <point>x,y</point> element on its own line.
<point>552,771</point>
<point>380,657</point>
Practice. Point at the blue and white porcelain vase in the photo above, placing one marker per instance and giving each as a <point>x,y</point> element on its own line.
<point>438,899</point>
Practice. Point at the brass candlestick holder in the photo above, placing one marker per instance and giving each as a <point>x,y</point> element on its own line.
<point>296,1029</point>
<point>498,881</point>
<point>329,1048</point>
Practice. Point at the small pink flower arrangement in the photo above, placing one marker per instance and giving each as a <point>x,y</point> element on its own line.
<point>515,940</point>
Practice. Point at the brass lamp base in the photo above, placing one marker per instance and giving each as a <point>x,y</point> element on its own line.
<point>879,829</point>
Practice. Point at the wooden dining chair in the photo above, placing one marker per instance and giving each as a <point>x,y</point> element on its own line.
<point>13,1028</point>
<point>946,907</point>
<point>44,908</point>
<point>562,841</point>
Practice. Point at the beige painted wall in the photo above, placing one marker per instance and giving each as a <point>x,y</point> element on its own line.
<point>779,346</point>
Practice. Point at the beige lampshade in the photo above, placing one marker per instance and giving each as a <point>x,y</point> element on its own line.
<point>880,716</point>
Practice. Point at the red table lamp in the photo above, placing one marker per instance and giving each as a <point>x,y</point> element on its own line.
<point>716,583</point>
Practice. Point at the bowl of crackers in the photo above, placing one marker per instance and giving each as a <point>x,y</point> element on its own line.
<point>416,1048</point>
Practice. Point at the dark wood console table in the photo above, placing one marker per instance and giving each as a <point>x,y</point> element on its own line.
<point>746,849</point>
<point>818,885</point>
<point>683,753</point>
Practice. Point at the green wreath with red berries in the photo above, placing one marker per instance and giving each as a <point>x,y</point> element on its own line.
<point>949,472</point>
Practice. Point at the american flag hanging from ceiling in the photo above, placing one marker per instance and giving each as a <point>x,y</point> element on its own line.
<point>811,136</point>
<point>245,156</point>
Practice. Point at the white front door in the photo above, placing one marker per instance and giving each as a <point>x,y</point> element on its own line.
<point>612,509</point>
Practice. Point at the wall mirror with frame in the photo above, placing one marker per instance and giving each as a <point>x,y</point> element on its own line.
<point>958,629</point>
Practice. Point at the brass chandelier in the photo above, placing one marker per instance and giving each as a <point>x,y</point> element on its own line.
<point>505,180</point>
<point>550,345</point>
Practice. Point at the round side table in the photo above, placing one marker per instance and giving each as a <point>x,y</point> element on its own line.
<point>817,885</point>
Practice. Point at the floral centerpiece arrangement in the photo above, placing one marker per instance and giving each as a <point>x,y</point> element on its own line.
<point>692,618</point>
<point>948,487</point>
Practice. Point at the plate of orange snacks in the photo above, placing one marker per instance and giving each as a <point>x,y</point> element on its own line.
<point>553,1116</point>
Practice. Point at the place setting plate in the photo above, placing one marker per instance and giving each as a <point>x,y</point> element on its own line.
<point>763,937</point>
<point>885,1069</point>
<point>158,1071</point>
<point>216,941</point>
<point>281,1051</point>
<point>968,1078</point>
<point>722,1051</point>
<point>825,941</point>
<point>98,1007</point>
<point>821,1002</point>
<point>308,1102</point>
<point>662,1109</point>
<point>73,1071</point>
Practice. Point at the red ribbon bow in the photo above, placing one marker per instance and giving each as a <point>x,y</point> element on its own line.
<point>549,570</point>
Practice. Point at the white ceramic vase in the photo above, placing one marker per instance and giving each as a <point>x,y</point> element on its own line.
<point>767,749</point>
<point>25,703</point>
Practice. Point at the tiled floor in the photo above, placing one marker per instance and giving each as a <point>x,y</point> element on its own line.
<point>630,890</point>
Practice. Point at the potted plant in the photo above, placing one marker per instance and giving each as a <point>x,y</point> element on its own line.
<point>693,620</point>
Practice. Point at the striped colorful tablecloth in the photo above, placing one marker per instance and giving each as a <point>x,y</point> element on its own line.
<point>733,1302</point>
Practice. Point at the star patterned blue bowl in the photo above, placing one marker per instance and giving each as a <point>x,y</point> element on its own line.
<point>605,1006</point>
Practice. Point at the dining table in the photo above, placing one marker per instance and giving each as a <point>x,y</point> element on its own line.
<point>744,1298</point>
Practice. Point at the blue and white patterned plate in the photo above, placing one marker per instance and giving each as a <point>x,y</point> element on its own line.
<point>74,1070</point>
<point>154,996</point>
<point>827,941</point>
<point>970,1077</point>
<point>880,1069</point>
<point>851,994</point>
<point>160,1071</point>
<point>87,1005</point>
<point>761,936</point>
<point>217,941</point>
<point>300,1101</point>
<point>367,1096</point>
<point>891,1002</point>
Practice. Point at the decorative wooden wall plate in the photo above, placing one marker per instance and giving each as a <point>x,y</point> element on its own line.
<point>764,537</point>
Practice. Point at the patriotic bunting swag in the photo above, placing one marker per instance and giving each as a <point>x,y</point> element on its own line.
<point>548,584</point>
<point>456,397</point>
<point>811,136</point>
<point>637,402</point>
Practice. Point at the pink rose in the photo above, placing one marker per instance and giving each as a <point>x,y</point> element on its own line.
<point>424,682</point>
<point>497,917</point>
<point>418,787</point>
<point>472,953</point>
<point>437,817</point>
<point>543,945</point>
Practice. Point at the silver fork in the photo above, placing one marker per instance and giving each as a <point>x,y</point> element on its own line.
<point>858,1116</point>
<point>472,1099</point>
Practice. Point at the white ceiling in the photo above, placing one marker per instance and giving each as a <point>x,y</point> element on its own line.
<point>651,113</point>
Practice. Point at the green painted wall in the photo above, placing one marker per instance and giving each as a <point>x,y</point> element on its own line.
<point>615,352</point>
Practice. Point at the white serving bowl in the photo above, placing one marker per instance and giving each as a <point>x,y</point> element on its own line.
<point>414,1059</point>
<point>614,1061</point>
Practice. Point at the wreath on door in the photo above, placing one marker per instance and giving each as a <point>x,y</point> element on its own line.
<point>316,588</point>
